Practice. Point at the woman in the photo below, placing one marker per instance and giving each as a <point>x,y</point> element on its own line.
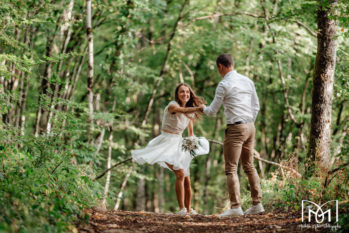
<point>166,149</point>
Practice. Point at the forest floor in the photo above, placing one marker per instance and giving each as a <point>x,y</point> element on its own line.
<point>136,222</point>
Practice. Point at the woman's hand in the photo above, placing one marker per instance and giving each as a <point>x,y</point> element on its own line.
<point>176,108</point>
<point>201,108</point>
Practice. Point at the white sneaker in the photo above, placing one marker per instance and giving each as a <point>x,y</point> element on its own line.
<point>193,212</point>
<point>182,212</point>
<point>232,212</point>
<point>255,209</point>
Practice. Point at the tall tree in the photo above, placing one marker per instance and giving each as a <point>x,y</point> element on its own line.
<point>320,128</point>
<point>90,68</point>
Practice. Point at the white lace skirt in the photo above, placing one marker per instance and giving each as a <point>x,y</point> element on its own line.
<point>167,148</point>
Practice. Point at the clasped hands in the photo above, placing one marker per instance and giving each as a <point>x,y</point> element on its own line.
<point>201,108</point>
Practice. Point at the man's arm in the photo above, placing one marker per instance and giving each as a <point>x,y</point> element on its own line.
<point>217,101</point>
<point>254,103</point>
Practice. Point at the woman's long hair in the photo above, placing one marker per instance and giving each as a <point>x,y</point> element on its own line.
<point>194,101</point>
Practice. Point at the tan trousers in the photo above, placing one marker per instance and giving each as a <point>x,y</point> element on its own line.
<point>238,143</point>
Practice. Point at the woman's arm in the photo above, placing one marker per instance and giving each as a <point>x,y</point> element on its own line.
<point>191,128</point>
<point>175,108</point>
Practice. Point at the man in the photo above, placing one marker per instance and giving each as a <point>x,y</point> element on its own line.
<point>238,95</point>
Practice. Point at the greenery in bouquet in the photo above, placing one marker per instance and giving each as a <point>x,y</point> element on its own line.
<point>190,144</point>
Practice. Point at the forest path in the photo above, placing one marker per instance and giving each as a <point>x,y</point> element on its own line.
<point>136,222</point>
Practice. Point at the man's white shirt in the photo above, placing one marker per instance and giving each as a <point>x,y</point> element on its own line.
<point>238,95</point>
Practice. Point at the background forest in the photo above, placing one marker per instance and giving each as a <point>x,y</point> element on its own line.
<point>76,98</point>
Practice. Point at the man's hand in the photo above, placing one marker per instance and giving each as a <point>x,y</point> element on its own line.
<point>201,108</point>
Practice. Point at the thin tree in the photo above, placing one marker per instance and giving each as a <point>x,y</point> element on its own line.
<point>42,114</point>
<point>63,40</point>
<point>107,182</point>
<point>110,150</point>
<point>121,192</point>
<point>90,69</point>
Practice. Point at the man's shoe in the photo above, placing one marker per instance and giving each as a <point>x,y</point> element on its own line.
<point>255,209</point>
<point>193,212</point>
<point>232,212</point>
<point>182,212</point>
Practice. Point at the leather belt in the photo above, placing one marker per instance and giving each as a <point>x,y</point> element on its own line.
<point>238,123</point>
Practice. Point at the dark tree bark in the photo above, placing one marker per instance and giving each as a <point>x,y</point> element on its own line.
<point>320,129</point>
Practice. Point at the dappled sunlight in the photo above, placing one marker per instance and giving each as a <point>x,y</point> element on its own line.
<point>116,115</point>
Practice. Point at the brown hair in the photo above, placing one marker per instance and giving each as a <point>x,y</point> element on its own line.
<point>194,101</point>
<point>225,59</point>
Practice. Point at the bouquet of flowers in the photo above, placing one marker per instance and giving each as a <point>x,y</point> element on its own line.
<point>190,144</point>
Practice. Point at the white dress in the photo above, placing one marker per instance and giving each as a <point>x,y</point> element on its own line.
<point>167,147</point>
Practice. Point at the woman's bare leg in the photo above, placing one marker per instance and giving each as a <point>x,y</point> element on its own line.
<point>179,185</point>
<point>187,193</point>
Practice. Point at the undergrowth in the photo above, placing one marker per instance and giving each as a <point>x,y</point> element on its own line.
<point>42,187</point>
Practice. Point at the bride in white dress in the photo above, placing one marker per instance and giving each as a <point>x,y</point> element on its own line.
<point>167,150</point>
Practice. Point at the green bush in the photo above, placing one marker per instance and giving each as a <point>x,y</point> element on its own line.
<point>287,194</point>
<point>42,189</point>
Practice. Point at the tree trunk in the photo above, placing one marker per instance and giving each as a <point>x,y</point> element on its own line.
<point>23,81</point>
<point>140,200</point>
<point>107,182</point>
<point>20,101</point>
<point>74,79</point>
<point>320,128</point>
<point>41,115</point>
<point>76,75</point>
<point>208,165</point>
<point>29,40</point>
<point>161,190</point>
<point>63,41</point>
<point>299,145</point>
<point>110,149</point>
<point>90,70</point>
<point>159,172</point>
<point>121,192</point>
<point>23,107</point>
<point>13,82</point>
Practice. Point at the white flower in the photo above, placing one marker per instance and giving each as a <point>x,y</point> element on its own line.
<point>190,144</point>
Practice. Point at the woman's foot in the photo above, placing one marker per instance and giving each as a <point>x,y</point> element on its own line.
<point>183,211</point>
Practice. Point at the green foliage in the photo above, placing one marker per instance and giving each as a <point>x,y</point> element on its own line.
<point>46,178</point>
<point>286,194</point>
<point>40,197</point>
<point>42,187</point>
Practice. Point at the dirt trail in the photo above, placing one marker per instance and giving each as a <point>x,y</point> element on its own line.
<point>136,222</point>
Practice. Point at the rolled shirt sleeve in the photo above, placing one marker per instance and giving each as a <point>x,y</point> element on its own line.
<point>217,101</point>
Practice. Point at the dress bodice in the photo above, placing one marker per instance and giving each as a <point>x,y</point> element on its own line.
<point>175,122</point>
